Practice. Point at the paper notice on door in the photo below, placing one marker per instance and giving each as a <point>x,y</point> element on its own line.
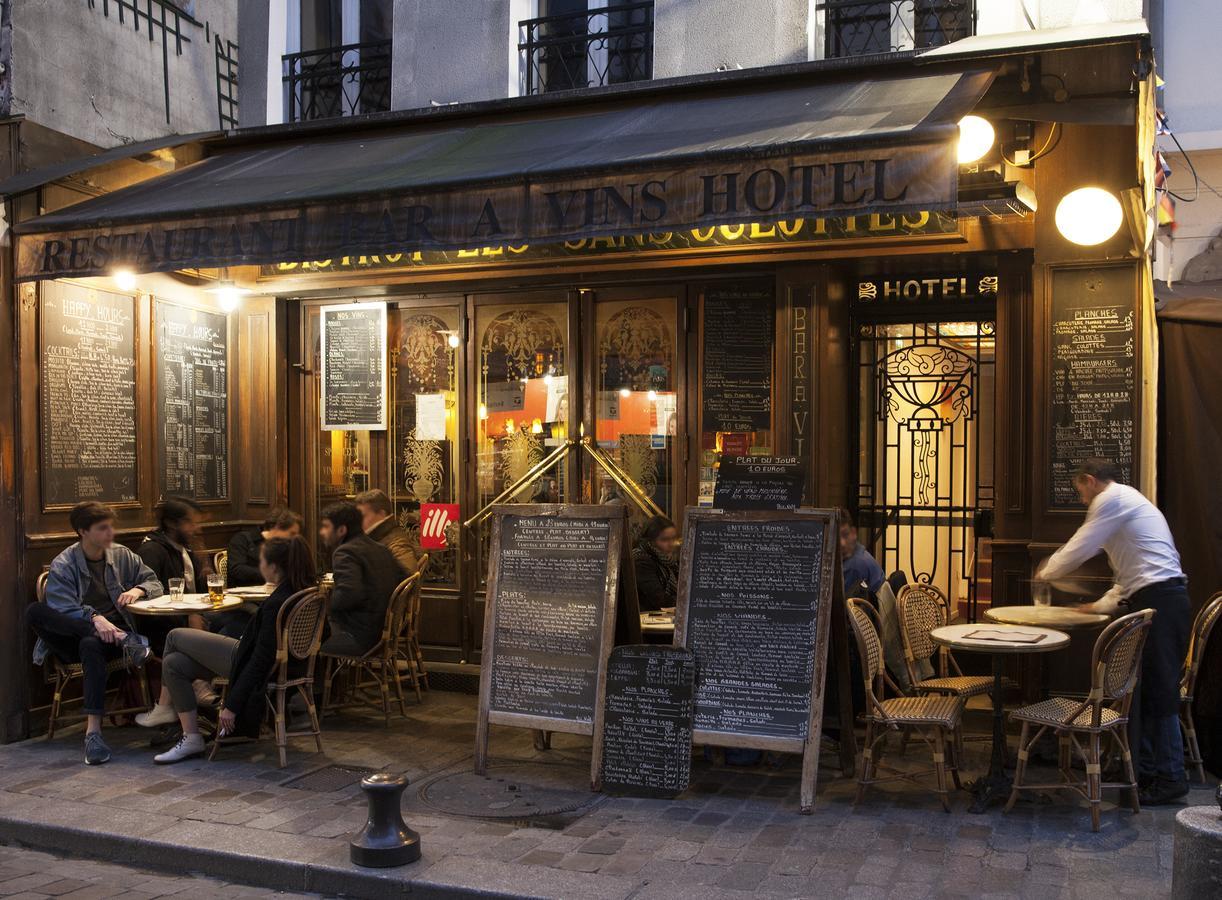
<point>557,398</point>
<point>430,417</point>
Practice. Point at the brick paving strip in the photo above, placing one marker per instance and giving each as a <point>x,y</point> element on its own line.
<point>736,833</point>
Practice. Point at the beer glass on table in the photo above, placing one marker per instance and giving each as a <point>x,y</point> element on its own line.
<point>216,589</point>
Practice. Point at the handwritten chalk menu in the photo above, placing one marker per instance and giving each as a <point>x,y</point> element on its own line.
<point>759,482</point>
<point>736,358</point>
<point>550,618</point>
<point>1093,374</point>
<point>87,380</point>
<point>354,367</point>
<point>647,726</point>
<point>756,590</point>
<point>192,375</point>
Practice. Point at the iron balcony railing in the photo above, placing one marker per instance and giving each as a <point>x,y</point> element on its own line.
<point>860,27</point>
<point>349,80</point>
<point>607,45</point>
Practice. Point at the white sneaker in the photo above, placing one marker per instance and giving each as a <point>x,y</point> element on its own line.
<point>157,716</point>
<point>188,747</point>
<point>204,695</point>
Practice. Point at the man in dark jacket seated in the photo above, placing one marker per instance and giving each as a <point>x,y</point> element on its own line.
<point>242,566</point>
<point>365,575</point>
<point>168,552</point>
<point>378,521</point>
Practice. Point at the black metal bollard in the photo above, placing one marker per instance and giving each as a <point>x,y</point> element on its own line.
<point>385,840</point>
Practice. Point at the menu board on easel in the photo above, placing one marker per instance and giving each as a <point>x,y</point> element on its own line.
<point>1093,387</point>
<point>549,623</point>
<point>354,367</point>
<point>756,595</point>
<point>87,395</point>
<point>192,376</point>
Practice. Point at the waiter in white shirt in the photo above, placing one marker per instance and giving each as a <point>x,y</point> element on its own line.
<point>1146,569</point>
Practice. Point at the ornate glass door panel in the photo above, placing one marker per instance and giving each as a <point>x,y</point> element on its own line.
<point>926,395</point>
<point>636,399</point>
<point>523,403</point>
<point>424,346</point>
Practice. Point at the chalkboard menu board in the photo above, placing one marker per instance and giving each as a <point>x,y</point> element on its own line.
<point>760,482</point>
<point>87,380</point>
<point>549,622</point>
<point>736,359</point>
<point>354,367</point>
<point>755,596</point>
<point>647,726</point>
<point>1093,373</point>
<point>192,378</point>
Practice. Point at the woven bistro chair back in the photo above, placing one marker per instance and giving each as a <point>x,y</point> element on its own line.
<point>299,625</point>
<point>1116,661</point>
<point>220,564</point>
<point>922,608</point>
<point>869,647</point>
<point>1202,628</point>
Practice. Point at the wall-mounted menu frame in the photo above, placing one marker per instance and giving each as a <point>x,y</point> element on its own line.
<point>87,395</point>
<point>1093,371</point>
<point>354,375</point>
<point>549,623</point>
<point>760,594</point>
<point>191,372</point>
<point>737,342</point>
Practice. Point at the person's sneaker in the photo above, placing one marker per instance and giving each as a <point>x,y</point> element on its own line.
<point>157,716</point>
<point>1162,791</point>
<point>188,747</point>
<point>204,695</point>
<point>137,650</point>
<point>96,751</point>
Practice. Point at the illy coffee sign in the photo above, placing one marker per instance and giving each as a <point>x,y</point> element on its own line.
<point>435,519</point>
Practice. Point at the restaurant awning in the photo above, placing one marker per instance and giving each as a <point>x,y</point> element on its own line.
<point>667,159</point>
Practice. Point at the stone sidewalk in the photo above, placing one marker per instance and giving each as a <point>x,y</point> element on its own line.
<point>735,833</point>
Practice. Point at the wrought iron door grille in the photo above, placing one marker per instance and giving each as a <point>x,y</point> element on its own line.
<point>226,83</point>
<point>860,27</point>
<point>348,80</point>
<point>926,411</point>
<point>608,45</point>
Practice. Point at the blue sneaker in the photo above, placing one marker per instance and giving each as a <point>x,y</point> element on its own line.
<point>96,751</point>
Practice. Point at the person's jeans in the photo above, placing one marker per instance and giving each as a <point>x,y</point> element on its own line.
<point>74,640</point>
<point>1155,724</point>
<point>190,654</point>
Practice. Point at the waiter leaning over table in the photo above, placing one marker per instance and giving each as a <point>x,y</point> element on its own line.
<point>1146,569</point>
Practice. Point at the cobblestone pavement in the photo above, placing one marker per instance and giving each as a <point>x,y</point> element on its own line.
<point>31,875</point>
<point>735,833</point>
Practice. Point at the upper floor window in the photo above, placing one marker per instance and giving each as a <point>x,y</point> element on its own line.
<point>586,43</point>
<point>860,27</point>
<point>340,64</point>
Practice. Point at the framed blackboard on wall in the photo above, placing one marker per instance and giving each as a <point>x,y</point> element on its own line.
<point>549,624</point>
<point>737,339</point>
<point>192,376</point>
<point>354,367</point>
<point>1093,374</point>
<point>87,395</point>
<point>757,592</point>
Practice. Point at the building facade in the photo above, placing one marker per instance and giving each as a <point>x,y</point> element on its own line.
<point>598,248</point>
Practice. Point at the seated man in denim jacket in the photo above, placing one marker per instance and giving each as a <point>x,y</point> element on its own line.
<point>83,619</point>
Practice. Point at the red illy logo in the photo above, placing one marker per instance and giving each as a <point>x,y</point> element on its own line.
<point>434,517</point>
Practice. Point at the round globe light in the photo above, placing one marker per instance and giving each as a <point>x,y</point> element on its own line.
<point>1089,216</point>
<point>976,138</point>
<point>125,280</point>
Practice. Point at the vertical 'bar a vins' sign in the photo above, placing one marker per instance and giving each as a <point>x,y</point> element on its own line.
<point>354,367</point>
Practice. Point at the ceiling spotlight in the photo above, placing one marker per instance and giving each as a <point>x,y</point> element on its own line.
<point>228,295</point>
<point>125,279</point>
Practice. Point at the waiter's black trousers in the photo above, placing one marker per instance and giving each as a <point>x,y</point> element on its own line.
<point>1155,725</point>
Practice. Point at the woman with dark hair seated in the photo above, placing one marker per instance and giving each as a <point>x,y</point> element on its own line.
<point>657,570</point>
<point>247,663</point>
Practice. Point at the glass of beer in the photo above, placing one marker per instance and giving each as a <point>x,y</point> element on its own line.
<point>216,589</point>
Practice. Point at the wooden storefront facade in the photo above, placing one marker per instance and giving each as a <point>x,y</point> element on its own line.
<point>501,352</point>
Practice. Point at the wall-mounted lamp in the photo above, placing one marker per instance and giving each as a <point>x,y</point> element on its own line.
<point>125,279</point>
<point>1089,216</point>
<point>228,295</point>
<point>976,137</point>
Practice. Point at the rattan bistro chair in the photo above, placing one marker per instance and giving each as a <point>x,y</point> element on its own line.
<point>1202,626</point>
<point>922,608</point>
<point>409,659</point>
<point>933,717</point>
<point>220,564</point>
<point>1115,665</point>
<point>60,675</point>
<point>378,666</point>
<point>299,627</point>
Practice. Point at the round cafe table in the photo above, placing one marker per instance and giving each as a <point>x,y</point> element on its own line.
<point>1045,616</point>
<point>190,603</point>
<point>999,641</point>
